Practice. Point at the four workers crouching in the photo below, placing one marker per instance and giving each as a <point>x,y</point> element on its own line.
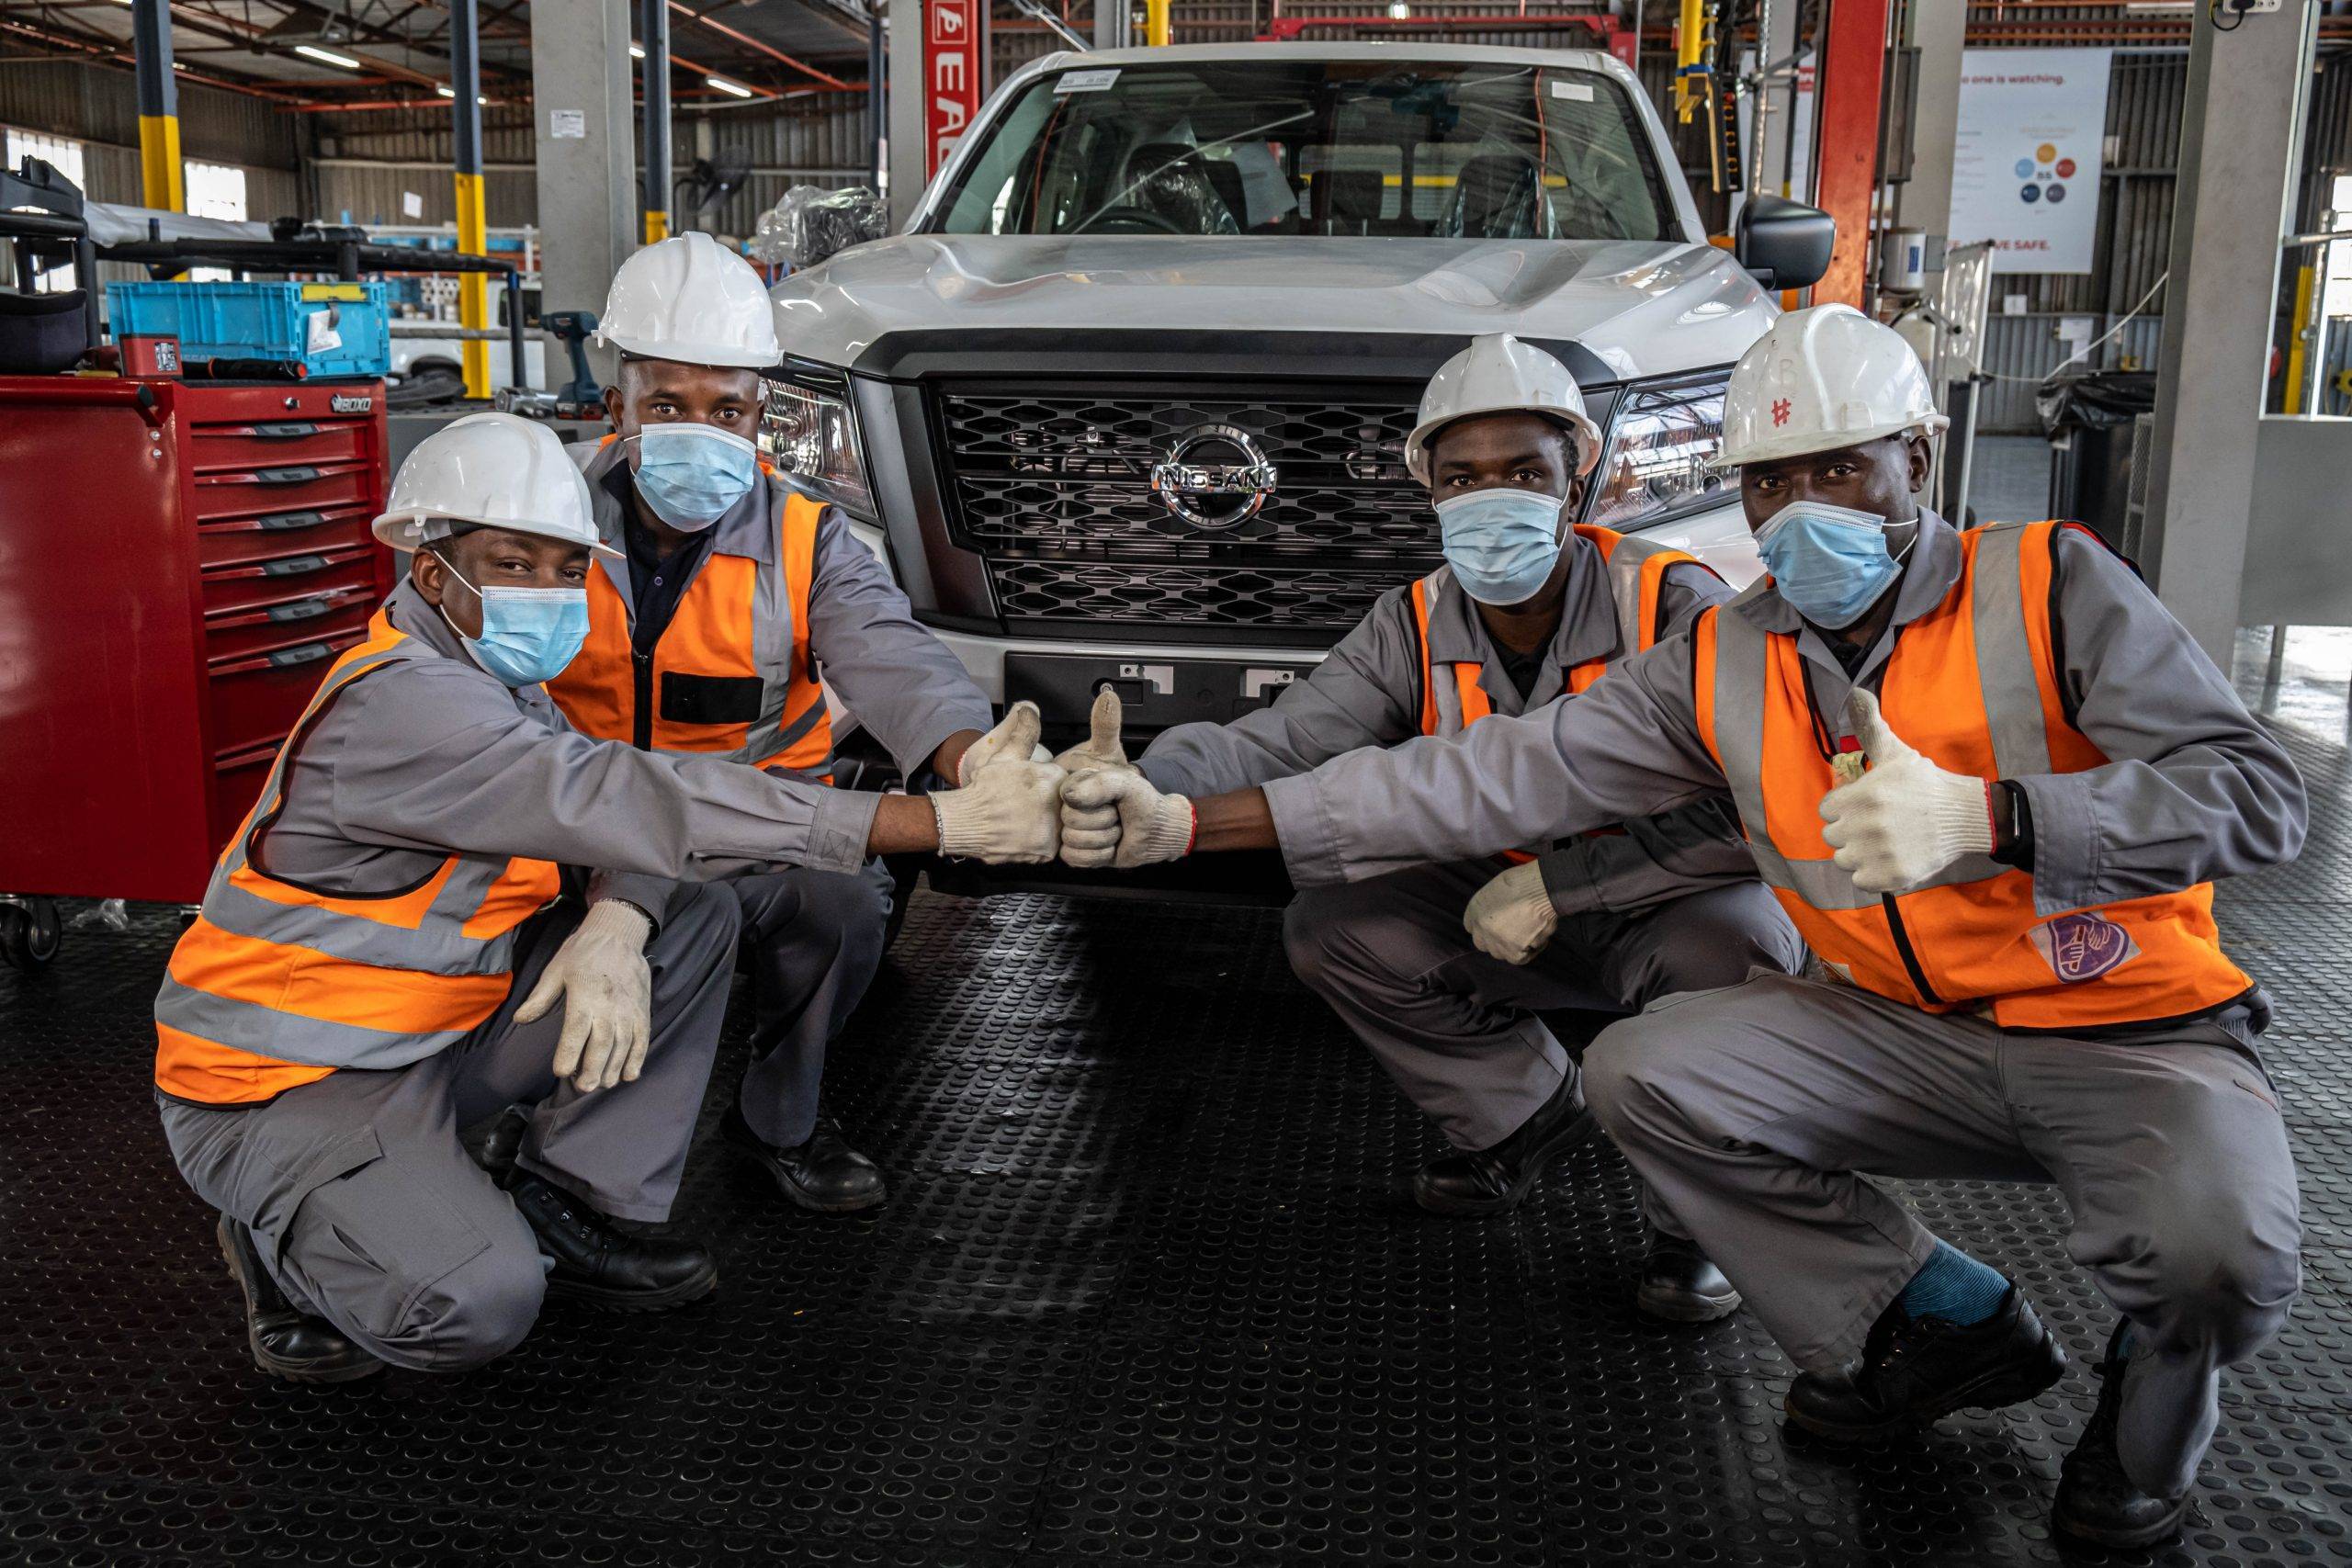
<point>509,854</point>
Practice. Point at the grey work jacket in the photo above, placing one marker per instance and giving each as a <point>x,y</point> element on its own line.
<point>888,671</point>
<point>1367,693</point>
<point>2195,789</point>
<point>434,755</point>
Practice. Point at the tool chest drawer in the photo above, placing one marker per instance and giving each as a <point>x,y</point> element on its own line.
<point>258,694</point>
<point>235,634</point>
<point>253,584</point>
<point>302,530</point>
<point>284,487</point>
<point>276,443</point>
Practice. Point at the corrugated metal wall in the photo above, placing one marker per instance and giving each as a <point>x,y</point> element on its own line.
<point>368,161</point>
<point>93,103</point>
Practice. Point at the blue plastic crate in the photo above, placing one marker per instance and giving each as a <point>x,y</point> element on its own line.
<point>335,329</point>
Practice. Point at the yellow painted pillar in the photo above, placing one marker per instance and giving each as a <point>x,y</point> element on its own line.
<point>2299,341</point>
<point>1157,29</point>
<point>473,227</point>
<point>162,182</point>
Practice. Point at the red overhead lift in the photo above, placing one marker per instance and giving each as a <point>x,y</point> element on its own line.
<point>1846,138</point>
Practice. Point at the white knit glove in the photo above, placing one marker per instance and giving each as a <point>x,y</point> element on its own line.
<point>1101,748</point>
<point>1907,819</point>
<point>606,985</point>
<point>1011,809</point>
<point>1095,829</point>
<point>1004,743</point>
<point>1511,917</point>
<point>1141,827</point>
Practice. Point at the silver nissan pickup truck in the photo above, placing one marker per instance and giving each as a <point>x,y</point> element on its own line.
<point>1124,402</point>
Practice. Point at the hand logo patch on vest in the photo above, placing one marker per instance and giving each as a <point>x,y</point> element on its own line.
<point>2083,946</point>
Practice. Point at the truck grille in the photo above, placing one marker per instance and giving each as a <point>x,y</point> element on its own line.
<point>1290,599</point>
<point>1065,477</point>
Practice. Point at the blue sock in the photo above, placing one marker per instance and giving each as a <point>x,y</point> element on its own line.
<point>1955,1287</point>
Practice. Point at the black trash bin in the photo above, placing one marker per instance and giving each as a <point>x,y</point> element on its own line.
<point>2087,415</point>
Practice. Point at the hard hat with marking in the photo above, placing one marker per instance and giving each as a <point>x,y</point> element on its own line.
<point>1822,378</point>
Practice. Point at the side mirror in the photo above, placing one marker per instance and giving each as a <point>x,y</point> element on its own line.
<point>1783,243</point>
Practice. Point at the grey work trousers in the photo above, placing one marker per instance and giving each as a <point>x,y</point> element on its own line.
<point>814,940</point>
<point>368,1210</point>
<point>1455,1028</point>
<point>1754,1113</point>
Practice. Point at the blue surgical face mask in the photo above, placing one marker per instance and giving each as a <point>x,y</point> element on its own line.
<point>1830,562</point>
<point>1502,544</point>
<point>691,474</point>
<point>529,635</point>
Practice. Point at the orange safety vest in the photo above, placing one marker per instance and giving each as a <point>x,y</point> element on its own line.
<point>731,676</point>
<point>1637,570</point>
<point>1974,684</point>
<point>277,985</point>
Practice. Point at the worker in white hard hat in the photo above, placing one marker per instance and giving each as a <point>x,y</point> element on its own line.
<point>1529,610</point>
<point>446,902</point>
<point>729,585</point>
<point>1991,780</point>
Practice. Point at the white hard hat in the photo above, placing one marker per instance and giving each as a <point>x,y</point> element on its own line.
<point>493,470</point>
<point>1819,379</point>
<point>689,300</point>
<point>1499,374</point>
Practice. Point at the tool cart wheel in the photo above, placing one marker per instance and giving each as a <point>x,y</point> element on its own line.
<point>29,932</point>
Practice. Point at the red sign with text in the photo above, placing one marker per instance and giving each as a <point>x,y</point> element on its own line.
<point>952,35</point>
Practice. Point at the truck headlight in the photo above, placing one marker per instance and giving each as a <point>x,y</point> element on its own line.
<point>1661,453</point>
<point>810,433</point>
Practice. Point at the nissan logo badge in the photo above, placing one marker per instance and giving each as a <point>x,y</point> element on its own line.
<point>1214,477</point>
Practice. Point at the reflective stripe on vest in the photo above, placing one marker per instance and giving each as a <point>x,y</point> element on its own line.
<point>737,622</point>
<point>276,985</point>
<point>1971,685</point>
<point>1636,571</point>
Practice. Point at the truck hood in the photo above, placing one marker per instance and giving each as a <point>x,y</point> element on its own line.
<point>1645,309</point>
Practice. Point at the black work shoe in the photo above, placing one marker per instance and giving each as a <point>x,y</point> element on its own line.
<point>600,1264</point>
<point>286,1344</point>
<point>823,1174</point>
<point>2096,1501</point>
<point>1681,1285</point>
<point>1492,1182</point>
<point>1916,1370</point>
<point>504,1142</point>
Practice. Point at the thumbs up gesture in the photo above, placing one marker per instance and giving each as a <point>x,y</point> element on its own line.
<point>1101,748</point>
<point>1111,814</point>
<point>1905,819</point>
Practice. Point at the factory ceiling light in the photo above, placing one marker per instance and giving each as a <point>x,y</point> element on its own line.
<point>724,86</point>
<point>325,56</point>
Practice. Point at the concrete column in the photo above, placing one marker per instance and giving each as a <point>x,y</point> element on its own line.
<point>1110,24</point>
<point>1938,33</point>
<point>2240,137</point>
<point>581,74</point>
<point>906,176</point>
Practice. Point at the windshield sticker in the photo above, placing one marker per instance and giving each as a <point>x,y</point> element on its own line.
<point>1575,91</point>
<point>1086,80</point>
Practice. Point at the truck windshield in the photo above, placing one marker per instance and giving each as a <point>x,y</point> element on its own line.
<point>1331,148</point>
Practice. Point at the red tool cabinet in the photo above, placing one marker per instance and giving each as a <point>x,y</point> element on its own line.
<point>179,564</point>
